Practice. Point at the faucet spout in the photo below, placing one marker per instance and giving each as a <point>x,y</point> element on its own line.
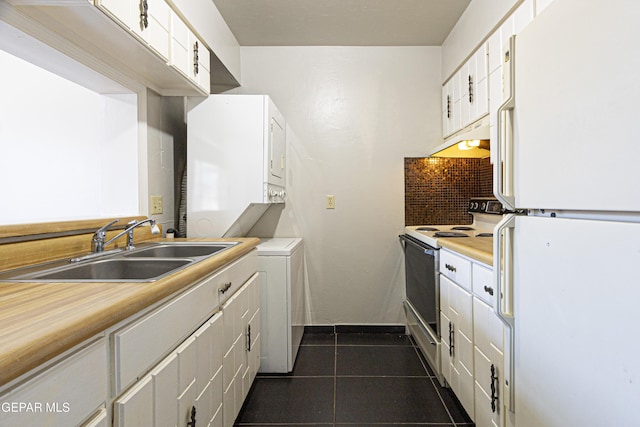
<point>97,241</point>
<point>99,237</point>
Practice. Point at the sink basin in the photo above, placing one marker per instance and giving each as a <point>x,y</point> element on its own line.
<point>146,263</point>
<point>109,270</point>
<point>180,250</point>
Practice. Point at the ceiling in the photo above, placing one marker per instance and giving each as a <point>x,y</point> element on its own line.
<point>341,22</point>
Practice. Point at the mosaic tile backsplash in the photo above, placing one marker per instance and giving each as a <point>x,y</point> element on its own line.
<point>437,190</point>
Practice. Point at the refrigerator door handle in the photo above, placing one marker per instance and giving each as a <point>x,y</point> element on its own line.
<point>503,307</point>
<point>503,172</point>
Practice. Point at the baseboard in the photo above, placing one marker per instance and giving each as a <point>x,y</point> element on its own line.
<point>354,329</point>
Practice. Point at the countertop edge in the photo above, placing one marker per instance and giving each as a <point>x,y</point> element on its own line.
<point>482,252</point>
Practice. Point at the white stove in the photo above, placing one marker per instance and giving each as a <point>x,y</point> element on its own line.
<point>486,213</point>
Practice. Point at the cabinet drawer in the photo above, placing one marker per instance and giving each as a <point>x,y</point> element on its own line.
<point>138,346</point>
<point>483,284</point>
<point>456,268</point>
<point>62,395</point>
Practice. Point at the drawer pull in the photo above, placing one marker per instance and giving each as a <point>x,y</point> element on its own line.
<point>494,391</point>
<point>450,267</point>
<point>249,338</point>
<point>192,418</point>
<point>451,339</point>
<point>225,288</point>
<point>488,289</point>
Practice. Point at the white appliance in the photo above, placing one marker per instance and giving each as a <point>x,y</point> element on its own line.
<point>236,147</point>
<point>281,264</point>
<point>568,153</point>
<point>422,286</point>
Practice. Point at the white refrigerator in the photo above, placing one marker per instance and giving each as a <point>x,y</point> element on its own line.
<point>568,272</point>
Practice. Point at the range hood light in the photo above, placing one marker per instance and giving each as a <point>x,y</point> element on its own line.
<point>470,142</point>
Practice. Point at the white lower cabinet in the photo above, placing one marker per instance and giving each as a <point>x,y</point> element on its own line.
<point>241,347</point>
<point>488,333</point>
<point>472,338</point>
<point>206,378</point>
<point>62,394</point>
<point>457,341</point>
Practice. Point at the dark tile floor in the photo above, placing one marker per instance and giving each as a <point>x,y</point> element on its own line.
<point>353,379</point>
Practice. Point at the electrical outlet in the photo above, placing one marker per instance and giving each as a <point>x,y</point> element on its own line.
<point>331,201</point>
<point>156,205</point>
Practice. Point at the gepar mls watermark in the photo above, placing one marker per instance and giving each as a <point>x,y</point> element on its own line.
<point>35,407</point>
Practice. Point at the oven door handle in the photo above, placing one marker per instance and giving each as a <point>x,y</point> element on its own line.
<point>428,251</point>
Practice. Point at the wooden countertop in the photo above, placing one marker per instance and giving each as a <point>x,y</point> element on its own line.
<point>39,321</point>
<point>478,248</point>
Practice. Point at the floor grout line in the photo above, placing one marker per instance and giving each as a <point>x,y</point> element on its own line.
<point>428,376</point>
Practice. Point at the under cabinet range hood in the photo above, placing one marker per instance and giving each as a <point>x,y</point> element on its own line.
<point>470,142</point>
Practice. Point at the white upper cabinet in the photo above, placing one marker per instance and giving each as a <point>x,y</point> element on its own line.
<point>152,25</point>
<point>147,19</point>
<point>465,96</point>
<point>130,42</point>
<point>474,84</point>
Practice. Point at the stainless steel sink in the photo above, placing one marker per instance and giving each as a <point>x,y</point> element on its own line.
<point>113,269</point>
<point>180,250</point>
<point>146,263</point>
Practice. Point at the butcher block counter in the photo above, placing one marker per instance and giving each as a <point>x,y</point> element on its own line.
<point>477,248</point>
<point>39,321</point>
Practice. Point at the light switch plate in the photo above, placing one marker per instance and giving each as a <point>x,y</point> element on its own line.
<point>331,201</point>
<point>156,205</point>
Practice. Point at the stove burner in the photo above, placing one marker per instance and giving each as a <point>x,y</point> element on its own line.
<point>462,228</point>
<point>449,234</point>
<point>484,235</point>
<point>427,229</point>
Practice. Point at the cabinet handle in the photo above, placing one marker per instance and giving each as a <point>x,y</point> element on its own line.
<point>448,106</point>
<point>488,289</point>
<point>494,392</point>
<point>192,418</point>
<point>470,89</point>
<point>249,338</point>
<point>196,67</point>
<point>144,14</point>
<point>225,288</point>
<point>450,267</point>
<point>451,339</point>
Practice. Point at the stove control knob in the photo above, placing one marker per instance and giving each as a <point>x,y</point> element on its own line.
<point>483,206</point>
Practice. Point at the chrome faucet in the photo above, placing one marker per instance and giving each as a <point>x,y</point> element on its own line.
<point>98,241</point>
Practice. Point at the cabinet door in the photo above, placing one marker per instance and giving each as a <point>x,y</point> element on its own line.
<point>198,62</point>
<point>165,392</point>
<point>135,407</point>
<point>489,363</point>
<point>480,84</point>
<point>100,419</point>
<point>179,51</point>
<point>152,23</point>
<point>65,393</point>
<point>458,341</point>
<point>122,11</point>
<point>187,357</point>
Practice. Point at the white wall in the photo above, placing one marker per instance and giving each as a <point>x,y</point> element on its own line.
<point>356,113</point>
<point>67,152</point>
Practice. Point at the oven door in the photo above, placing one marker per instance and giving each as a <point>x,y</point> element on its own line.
<point>422,282</point>
<point>422,306</point>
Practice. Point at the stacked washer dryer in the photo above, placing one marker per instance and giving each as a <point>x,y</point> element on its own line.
<point>281,263</point>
